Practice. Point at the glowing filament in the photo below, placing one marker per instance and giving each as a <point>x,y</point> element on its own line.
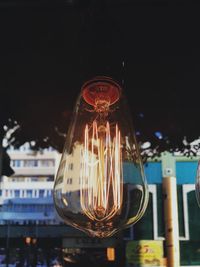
<point>101,178</point>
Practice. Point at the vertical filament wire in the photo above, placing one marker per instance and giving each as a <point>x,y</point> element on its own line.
<point>101,175</point>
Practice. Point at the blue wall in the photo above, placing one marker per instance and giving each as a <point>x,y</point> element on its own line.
<point>186,172</point>
<point>153,172</point>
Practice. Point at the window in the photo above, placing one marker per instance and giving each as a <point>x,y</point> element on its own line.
<point>17,179</point>
<point>47,163</point>
<point>69,180</point>
<point>30,163</point>
<point>16,193</point>
<point>29,193</point>
<point>41,193</point>
<point>34,179</point>
<point>71,165</point>
<point>49,193</point>
<point>16,163</point>
<point>50,178</point>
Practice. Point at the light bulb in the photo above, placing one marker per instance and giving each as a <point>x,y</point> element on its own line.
<point>100,186</point>
<point>197,184</point>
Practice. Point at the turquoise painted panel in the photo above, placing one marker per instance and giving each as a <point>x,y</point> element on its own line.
<point>186,172</point>
<point>153,172</point>
<point>131,173</point>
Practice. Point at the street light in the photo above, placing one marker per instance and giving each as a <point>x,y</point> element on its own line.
<point>100,186</point>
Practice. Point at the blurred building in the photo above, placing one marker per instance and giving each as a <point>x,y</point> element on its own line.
<point>26,196</point>
<point>30,228</point>
<point>27,211</point>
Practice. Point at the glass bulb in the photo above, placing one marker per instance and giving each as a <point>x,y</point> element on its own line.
<point>197,184</point>
<point>100,186</point>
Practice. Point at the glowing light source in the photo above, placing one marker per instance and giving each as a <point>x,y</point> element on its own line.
<point>101,173</point>
<point>100,186</point>
<point>28,240</point>
<point>110,254</point>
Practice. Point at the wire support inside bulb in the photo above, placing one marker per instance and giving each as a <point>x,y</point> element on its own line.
<point>101,174</point>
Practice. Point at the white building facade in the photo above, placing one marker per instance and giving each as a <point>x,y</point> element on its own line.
<point>27,196</point>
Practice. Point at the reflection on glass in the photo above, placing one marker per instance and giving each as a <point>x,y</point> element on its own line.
<point>197,184</point>
<point>105,190</point>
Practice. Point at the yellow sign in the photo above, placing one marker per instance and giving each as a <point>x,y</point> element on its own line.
<point>145,253</point>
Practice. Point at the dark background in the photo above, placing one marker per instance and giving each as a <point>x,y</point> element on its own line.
<point>49,48</point>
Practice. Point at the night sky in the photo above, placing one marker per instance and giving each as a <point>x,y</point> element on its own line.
<point>49,48</point>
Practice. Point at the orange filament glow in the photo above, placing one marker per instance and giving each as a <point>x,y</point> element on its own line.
<point>101,176</point>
